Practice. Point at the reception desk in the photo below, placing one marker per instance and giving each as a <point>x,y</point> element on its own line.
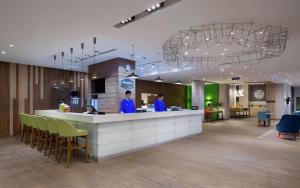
<point>116,134</point>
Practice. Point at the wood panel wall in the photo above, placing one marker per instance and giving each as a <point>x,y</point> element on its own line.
<point>25,88</point>
<point>174,94</point>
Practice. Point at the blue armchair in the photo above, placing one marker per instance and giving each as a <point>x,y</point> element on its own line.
<point>265,117</point>
<point>289,125</point>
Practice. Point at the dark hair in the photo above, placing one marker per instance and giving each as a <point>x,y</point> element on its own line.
<point>160,95</point>
<point>127,92</point>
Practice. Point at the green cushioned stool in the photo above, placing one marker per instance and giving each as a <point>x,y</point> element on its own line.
<point>53,136</point>
<point>69,139</point>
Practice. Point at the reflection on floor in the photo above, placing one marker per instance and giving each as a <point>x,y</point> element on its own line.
<point>228,154</point>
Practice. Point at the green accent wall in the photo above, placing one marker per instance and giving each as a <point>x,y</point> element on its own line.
<point>211,96</point>
<point>188,97</point>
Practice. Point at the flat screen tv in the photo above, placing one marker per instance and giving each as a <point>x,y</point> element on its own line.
<point>98,85</point>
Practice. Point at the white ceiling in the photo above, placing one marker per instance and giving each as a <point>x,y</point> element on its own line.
<point>41,28</point>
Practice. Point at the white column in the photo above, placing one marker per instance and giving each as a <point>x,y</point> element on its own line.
<point>224,99</point>
<point>198,94</point>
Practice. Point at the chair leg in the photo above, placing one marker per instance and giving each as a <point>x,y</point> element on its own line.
<point>86,148</point>
<point>23,132</point>
<point>60,149</point>
<point>56,147</point>
<point>46,143</point>
<point>69,148</point>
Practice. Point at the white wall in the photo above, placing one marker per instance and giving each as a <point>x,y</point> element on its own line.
<point>224,99</point>
<point>198,94</point>
<point>296,94</point>
<point>282,91</point>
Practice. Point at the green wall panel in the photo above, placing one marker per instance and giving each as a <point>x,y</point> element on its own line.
<point>188,97</point>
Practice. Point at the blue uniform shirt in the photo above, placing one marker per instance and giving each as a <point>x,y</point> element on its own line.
<point>159,106</point>
<point>127,106</point>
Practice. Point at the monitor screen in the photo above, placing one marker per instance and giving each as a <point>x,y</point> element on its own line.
<point>98,85</point>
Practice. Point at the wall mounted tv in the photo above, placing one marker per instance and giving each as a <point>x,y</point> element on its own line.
<point>98,85</point>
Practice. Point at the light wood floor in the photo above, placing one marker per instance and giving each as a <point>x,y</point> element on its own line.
<point>227,154</point>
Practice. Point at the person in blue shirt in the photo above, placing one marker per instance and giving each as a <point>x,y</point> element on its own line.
<point>159,104</point>
<point>127,104</point>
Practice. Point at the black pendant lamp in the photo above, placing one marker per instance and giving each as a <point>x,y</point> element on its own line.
<point>158,79</point>
<point>62,66</point>
<point>54,62</point>
<point>71,52</point>
<point>178,82</point>
<point>94,42</point>
<point>133,75</point>
<point>82,47</point>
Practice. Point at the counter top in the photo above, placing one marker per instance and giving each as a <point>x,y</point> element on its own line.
<point>90,118</point>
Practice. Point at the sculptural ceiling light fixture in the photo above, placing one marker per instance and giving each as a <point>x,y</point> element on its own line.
<point>223,44</point>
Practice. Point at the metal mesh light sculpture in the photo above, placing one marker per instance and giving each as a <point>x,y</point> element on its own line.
<point>252,42</point>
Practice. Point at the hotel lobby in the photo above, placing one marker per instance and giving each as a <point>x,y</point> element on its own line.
<point>145,93</point>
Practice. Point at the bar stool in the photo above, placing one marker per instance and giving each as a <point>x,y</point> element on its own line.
<point>26,127</point>
<point>43,133</point>
<point>53,136</point>
<point>68,140</point>
<point>33,120</point>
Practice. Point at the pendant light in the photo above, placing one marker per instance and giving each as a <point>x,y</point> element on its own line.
<point>82,47</point>
<point>62,65</point>
<point>94,42</point>
<point>71,52</point>
<point>133,75</point>
<point>178,82</point>
<point>158,79</point>
<point>54,62</point>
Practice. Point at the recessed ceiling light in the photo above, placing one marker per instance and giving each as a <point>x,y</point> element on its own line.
<point>149,9</point>
<point>123,21</point>
<point>222,70</point>
<point>207,38</point>
<point>222,54</point>
<point>153,7</point>
<point>186,53</point>
<point>197,49</point>
<point>260,32</point>
<point>231,33</point>
<point>3,52</point>
<point>186,44</point>
<point>187,37</point>
<point>248,45</point>
<point>152,66</point>
<point>157,5</point>
<point>129,19</point>
<point>225,49</point>
<point>11,45</point>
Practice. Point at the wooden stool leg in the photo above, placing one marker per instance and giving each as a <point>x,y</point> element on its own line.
<point>69,147</point>
<point>86,148</point>
<point>56,146</point>
<point>60,149</point>
<point>46,143</point>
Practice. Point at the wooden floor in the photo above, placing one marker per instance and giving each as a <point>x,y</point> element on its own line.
<point>228,154</point>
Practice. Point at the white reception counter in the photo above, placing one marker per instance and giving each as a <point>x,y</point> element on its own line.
<point>115,134</point>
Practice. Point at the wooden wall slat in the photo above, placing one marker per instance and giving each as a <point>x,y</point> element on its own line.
<point>25,88</point>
